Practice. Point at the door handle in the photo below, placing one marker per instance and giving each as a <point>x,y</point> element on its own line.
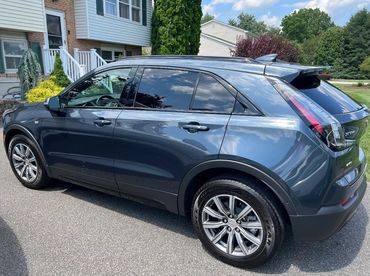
<point>102,122</point>
<point>195,127</point>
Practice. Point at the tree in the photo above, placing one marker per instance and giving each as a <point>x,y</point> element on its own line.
<point>365,67</point>
<point>29,71</point>
<point>264,45</point>
<point>176,27</point>
<point>249,23</point>
<point>308,50</point>
<point>356,44</point>
<point>207,17</point>
<point>305,24</point>
<point>329,46</point>
<point>58,73</point>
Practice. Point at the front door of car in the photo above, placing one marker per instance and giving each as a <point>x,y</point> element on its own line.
<point>169,131</point>
<point>79,140</point>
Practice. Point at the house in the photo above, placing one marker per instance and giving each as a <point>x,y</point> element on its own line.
<point>86,33</point>
<point>219,39</point>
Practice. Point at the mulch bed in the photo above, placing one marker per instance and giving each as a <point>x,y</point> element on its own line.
<point>6,104</point>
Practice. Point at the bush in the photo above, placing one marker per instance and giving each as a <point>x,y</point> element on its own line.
<point>365,66</point>
<point>264,45</point>
<point>29,71</point>
<point>44,90</point>
<point>58,72</point>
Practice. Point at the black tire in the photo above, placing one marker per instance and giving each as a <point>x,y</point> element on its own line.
<point>41,180</point>
<point>271,220</point>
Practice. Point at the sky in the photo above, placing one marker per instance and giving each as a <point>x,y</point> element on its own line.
<point>272,11</point>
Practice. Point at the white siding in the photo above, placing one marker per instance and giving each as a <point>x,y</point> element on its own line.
<point>82,30</point>
<point>111,29</point>
<point>26,15</point>
<point>224,32</point>
<point>211,47</point>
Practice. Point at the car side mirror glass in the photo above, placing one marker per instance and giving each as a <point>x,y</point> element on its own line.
<point>53,103</point>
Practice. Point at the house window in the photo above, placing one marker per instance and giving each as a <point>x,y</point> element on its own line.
<point>124,9</point>
<point>13,51</point>
<point>111,55</point>
<point>136,10</point>
<point>111,7</point>
<point>127,9</point>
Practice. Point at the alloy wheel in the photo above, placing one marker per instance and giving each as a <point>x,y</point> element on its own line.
<point>24,162</point>
<point>232,225</point>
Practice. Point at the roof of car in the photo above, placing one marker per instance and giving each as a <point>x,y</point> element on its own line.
<point>288,71</point>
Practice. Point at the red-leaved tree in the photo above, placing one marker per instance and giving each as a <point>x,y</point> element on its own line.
<point>264,45</point>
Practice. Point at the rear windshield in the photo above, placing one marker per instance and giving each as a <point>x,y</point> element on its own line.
<point>328,96</point>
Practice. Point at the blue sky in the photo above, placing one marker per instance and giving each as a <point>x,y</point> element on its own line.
<point>272,11</point>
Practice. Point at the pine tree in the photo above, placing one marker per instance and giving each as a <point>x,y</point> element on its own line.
<point>58,73</point>
<point>176,27</point>
<point>356,44</point>
<point>29,71</point>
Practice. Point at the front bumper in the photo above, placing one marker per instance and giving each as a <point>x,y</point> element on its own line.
<point>329,219</point>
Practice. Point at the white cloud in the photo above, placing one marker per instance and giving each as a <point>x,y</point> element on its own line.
<point>330,5</point>
<point>237,5</point>
<point>270,20</point>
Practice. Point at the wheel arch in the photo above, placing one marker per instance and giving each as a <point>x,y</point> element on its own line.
<point>208,170</point>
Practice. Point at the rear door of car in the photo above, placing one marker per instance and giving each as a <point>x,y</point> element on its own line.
<point>169,130</point>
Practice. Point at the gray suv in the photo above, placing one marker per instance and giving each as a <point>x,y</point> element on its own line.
<point>245,148</point>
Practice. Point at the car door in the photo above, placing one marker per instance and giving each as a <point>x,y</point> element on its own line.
<point>169,131</point>
<point>79,139</point>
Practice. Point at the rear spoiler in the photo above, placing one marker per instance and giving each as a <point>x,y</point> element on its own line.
<point>288,71</point>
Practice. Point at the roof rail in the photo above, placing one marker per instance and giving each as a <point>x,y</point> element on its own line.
<point>190,57</point>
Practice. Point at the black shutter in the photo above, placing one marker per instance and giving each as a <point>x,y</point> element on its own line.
<point>100,7</point>
<point>37,50</point>
<point>98,51</point>
<point>144,11</point>
<point>2,66</point>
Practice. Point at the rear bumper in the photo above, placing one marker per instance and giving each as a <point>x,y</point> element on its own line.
<point>329,219</point>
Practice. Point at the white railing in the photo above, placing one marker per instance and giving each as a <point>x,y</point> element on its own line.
<point>74,67</point>
<point>89,59</point>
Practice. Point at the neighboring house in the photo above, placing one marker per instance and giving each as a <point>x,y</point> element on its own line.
<point>86,33</point>
<point>219,39</point>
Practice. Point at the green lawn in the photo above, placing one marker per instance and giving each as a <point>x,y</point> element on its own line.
<point>362,95</point>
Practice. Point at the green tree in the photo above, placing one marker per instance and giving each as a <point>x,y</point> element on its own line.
<point>29,71</point>
<point>305,24</point>
<point>176,27</point>
<point>58,73</point>
<point>356,44</point>
<point>330,46</point>
<point>207,17</point>
<point>249,23</point>
<point>365,67</point>
<point>308,50</point>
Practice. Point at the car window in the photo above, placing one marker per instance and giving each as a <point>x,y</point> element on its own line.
<point>211,95</point>
<point>101,90</point>
<point>166,89</point>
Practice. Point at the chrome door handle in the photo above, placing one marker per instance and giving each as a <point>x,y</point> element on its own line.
<point>195,128</point>
<point>102,122</point>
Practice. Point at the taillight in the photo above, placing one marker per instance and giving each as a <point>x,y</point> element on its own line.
<point>324,125</point>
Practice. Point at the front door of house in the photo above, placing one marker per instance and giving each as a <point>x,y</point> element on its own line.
<point>56,30</point>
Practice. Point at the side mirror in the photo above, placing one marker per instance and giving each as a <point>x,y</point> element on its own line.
<point>53,104</point>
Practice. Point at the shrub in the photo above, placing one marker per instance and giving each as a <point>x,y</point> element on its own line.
<point>44,90</point>
<point>58,72</point>
<point>29,71</point>
<point>264,45</point>
<point>365,66</point>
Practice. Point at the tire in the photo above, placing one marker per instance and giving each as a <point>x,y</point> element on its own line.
<point>262,223</point>
<point>23,153</point>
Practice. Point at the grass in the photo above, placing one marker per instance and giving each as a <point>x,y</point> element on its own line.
<point>362,95</point>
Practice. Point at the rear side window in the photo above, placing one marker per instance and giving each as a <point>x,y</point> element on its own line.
<point>211,95</point>
<point>326,95</point>
<point>166,89</point>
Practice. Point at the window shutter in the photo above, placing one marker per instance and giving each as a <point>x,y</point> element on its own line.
<point>100,7</point>
<point>98,51</point>
<point>144,11</point>
<point>2,66</point>
<point>35,46</point>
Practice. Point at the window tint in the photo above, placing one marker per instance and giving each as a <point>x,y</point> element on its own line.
<point>101,90</point>
<point>166,89</point>
<point>211,95</point>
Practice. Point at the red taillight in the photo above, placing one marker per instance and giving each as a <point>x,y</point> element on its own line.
<point>308,115</point>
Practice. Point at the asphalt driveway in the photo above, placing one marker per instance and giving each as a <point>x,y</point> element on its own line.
<point>71,230</point>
